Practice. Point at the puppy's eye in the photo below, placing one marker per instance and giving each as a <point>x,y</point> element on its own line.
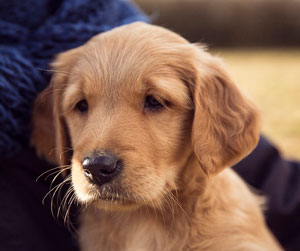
<point>82,106</point>
<point>152,103</point>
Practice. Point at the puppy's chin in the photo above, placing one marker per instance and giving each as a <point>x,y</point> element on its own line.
<point>111,198</point>
<point>114,204</point>
<point>107,199</point>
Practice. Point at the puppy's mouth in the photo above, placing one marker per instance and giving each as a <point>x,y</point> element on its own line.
<point>108,195</point>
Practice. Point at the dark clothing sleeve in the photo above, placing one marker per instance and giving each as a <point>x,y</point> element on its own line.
<point>279,181</point>
<point>31,34</point>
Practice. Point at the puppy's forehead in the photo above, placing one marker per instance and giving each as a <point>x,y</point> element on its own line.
<point>127,59</point>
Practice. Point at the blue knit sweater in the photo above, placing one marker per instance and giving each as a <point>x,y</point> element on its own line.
<point>31,33</point>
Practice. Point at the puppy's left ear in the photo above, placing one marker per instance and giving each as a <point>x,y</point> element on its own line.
<point>226,124</point>
<point>49,129</point>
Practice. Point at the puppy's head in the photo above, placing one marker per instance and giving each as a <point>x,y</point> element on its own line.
<point>134,104</point>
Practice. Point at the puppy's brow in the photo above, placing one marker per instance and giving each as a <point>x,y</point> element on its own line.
<point>71,95</point>
<point>171,89</point>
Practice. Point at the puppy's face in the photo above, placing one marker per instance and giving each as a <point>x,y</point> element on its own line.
<point>125,104</point>
<point>134,105</point>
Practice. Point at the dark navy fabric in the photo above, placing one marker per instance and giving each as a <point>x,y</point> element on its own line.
<point>279,181</point>
<point>31,33</point>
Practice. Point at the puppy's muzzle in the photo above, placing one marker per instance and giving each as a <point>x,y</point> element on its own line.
<point>101,169</point>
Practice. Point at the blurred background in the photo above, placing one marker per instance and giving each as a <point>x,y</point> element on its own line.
<point>259,41</point>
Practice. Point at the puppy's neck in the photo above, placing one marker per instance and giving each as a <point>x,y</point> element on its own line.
<point>194,183</point>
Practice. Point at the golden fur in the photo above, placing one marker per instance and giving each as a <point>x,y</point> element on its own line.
<point>174,192</point>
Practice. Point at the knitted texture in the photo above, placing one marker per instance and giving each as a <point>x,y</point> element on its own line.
<point>31,33</point>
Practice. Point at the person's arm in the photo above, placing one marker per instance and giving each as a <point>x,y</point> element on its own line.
<point>30,42</point>
<point>279,180</point>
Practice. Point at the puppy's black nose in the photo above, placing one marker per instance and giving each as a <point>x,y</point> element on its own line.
<point>101,169</point>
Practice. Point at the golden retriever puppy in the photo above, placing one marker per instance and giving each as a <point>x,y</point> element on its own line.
<point>154,124</point>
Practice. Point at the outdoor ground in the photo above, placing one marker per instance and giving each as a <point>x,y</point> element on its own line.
<point>272,78</point>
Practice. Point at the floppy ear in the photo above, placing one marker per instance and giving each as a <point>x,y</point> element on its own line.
<point>226,124</point>
<point>43,127</point>
<point>49,130</point>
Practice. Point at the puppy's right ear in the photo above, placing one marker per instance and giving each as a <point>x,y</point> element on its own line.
<point>49,130</point>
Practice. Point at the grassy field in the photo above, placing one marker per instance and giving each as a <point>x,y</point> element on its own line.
<point>272,79</point>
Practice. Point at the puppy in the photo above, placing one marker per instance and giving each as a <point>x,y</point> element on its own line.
<point>154,124</point>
